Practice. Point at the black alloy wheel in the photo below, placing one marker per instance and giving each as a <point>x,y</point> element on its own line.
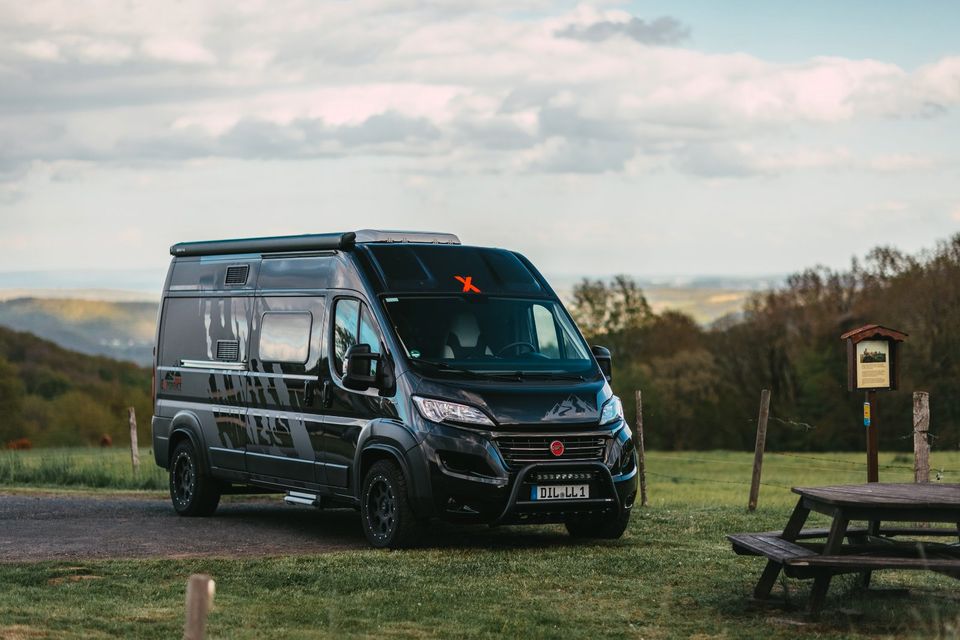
<point>388,520</point>
<point>192,492</point>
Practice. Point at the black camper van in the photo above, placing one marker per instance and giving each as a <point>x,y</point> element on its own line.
<point>399,373</point>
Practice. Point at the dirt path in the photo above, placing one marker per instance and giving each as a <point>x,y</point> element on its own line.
<point>50,527</point>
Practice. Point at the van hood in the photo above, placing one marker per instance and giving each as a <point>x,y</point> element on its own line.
<point>526,404</point>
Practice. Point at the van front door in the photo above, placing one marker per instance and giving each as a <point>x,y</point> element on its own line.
<point>284,423</point>
<point>347,412</point>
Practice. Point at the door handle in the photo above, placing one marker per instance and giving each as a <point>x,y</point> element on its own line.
<point>326,395</point>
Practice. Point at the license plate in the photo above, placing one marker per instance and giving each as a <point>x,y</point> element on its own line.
<point>559,492</point>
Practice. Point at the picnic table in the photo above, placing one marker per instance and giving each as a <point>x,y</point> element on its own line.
<point>872,547</point>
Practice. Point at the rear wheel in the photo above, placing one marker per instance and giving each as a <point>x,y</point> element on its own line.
<point>192,493</point>
<point>388,520</point>
<point>609,527</point>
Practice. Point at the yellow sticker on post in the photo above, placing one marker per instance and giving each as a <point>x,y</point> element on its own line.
<point>866,414</point>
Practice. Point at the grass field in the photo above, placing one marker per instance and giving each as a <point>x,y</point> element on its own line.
<point>92,468</point>
<point>671,576</point>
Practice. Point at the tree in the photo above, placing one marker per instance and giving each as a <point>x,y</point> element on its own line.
<point>11,402</point>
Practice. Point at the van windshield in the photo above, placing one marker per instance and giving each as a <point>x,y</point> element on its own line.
<point>488,335</point>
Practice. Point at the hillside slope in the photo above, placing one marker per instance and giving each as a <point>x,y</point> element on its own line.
<point>121,330</point>
<point>57,397</point>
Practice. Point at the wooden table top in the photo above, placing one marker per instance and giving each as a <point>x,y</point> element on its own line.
<point>881,495</point>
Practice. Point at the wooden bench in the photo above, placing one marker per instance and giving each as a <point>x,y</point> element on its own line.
<point>804,560</point>
<point>884,532</point>
<point>770,546</point>
<point>809,567</point>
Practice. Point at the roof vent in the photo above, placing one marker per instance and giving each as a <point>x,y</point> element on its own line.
<point>228,350</point>
<point>237,275</point>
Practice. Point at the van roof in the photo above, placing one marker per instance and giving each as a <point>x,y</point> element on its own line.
<point>308,242</point>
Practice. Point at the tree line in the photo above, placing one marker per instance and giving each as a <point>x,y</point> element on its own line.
<point>701,385</point>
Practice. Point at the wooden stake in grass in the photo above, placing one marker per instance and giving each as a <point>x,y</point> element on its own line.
<point>134,448</point>
<point>641,456</point>
<point>921,445</point>
<point>200,590</point>
<point>760,446</point>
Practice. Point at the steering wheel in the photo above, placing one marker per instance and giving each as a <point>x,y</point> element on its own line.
<point>517,345</point>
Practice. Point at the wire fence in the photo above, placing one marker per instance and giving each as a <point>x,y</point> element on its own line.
<point>788,469</point>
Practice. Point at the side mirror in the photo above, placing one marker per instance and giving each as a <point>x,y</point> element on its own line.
<point>361,366</point>
<point>602,355</point>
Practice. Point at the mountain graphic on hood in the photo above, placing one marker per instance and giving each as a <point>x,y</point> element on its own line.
<point>569,407</point>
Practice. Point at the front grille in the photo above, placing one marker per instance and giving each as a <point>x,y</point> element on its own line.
<point>521,450</point>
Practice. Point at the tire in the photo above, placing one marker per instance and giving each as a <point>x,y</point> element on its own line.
<point>388,521</point>
<point>192,492</point>
<point>608,528</point>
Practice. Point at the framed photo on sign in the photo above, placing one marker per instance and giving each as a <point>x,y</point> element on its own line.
<point>873,364</point>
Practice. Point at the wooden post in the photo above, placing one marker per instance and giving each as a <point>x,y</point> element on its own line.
<point>134,448</point>
<point>759,448</point>
<point>200,590</point>
<point>873,437</point>
<point>921,446</point>
<point>641,455</point>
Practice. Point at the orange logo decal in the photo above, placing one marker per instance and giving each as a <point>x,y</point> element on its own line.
<point>468,286</point>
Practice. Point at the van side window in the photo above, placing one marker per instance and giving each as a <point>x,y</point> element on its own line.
<point>546,332</point>
<point>198,328</point>
<point>353,324</point>
<point>285,337</point>
<point>345,330</point>
<point>369,335</point>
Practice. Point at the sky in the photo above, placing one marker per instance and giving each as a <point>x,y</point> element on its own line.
<point>736,138</point>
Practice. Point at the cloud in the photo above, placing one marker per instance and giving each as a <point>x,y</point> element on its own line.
<point>739,160</point>
<point>899,162</point>
<point>660,31</point>
<point>437,86</point>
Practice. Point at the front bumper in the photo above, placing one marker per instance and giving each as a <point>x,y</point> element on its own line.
<point>498,494</point>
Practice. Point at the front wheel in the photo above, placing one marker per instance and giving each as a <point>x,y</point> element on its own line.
<point>192,493</point>
<point>609,527</point>
<point>388,520</point>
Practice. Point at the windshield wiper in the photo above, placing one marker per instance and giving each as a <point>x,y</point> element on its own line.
<point>439,365</point>
<point>548,375</point>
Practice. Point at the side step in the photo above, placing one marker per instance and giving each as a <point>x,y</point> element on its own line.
<point>298,497</point>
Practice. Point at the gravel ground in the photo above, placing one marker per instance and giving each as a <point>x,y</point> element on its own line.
<point>51,527</point>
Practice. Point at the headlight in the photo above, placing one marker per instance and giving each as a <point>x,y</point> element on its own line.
<point>612,411</point>
<point>440,411</point>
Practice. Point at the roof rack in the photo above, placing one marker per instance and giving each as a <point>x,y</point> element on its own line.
<point>306,242</point>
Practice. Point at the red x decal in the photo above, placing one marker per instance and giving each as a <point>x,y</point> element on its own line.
<point>468,286</point>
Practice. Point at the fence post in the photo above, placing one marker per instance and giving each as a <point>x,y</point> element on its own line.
<point>641,455</point>
<point>760,446</point>
<point>134,448</point>
<point>921,445</point>
<point>200,590</point>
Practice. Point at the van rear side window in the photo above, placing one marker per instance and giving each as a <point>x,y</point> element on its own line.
<point>198,328</point>
<point>285,337</point>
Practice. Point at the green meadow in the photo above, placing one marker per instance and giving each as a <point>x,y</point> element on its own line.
<point>673,574</point>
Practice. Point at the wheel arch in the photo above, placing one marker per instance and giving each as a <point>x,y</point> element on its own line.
<point>186,426</point>
<point>390,440</point>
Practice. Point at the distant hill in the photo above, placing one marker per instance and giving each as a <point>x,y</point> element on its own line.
<point>706,299</point>
<point>121,330</point>
<point>56,397</point>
